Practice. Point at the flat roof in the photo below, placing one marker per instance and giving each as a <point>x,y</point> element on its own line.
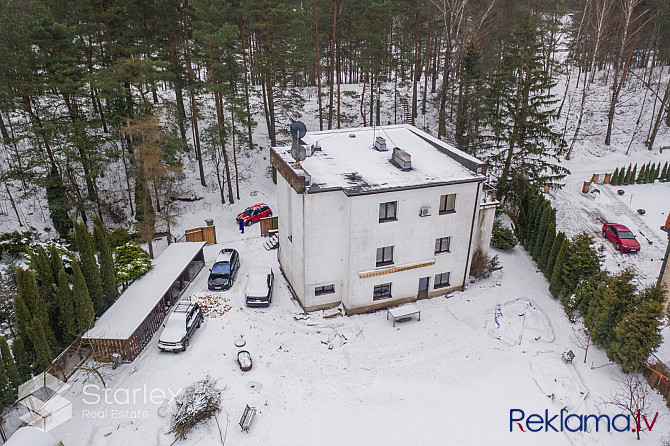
<point>135,304</point>
<point>347,160</point>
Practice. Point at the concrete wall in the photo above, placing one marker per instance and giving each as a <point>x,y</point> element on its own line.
<point>334,240</point>
<point>413,238</point>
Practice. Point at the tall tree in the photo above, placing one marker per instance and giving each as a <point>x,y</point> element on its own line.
<point>107,271</point>
<point>84,311</point>
<point>521,111</point>
<point>89,266</point>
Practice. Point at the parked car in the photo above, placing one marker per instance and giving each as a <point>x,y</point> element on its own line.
<point>621,236</point>
<point>254,213</point>
<point>180,326</point>
<point>259,287</point>
<point>223,272</point>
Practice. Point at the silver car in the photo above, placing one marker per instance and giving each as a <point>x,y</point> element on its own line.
<point>180,326</point>
<point>259,287</point>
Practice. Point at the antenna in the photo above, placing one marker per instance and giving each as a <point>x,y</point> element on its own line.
<point>298,130</point>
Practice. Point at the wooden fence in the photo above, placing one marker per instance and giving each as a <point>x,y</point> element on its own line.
<point>269,225</point>
<point>658,377</point>
<point>206,234</point>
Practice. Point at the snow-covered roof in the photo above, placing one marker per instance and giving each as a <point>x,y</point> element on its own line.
<point>133,306</point>
<point>347,160</point>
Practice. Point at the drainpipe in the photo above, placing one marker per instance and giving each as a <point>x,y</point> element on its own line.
<point>472,230</point>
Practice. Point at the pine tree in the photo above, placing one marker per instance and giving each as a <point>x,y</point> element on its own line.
<point>581,262</point>
<point>27,288</point>
<point>551,260</point>
<point>83,305</point>
<point>664,172</point>
<point>534,232</point>
<point>89,266</point>
<point>42,349</point>
<point>6,393</point>
<point>56,260</point>
<point>626,177</point>
<point>615,177</point>
<point>548,243</point>
<point>40,263</point>
<point>657,171</point>
<point>107,271</point>
<point>633,175</point>
<point>22,317</point>
<point>548,215</point>
<point>533,208</point>
<point>10,367</point>
<point>59,206</point>
<point>641,176</point>
<point>613,300</point>
<point>67,320</point>
<point>22,358</point>
<point>521,111</point>
<point>637,336</point>
<point>470,112</point>
<point>556,285</point>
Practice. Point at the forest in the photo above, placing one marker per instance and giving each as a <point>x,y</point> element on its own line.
<point>129,89</point>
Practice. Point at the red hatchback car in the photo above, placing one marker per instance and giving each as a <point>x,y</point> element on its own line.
<point>254,213</point>
<point>621,236</point>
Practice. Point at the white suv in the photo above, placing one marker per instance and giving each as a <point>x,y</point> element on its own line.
<point>180,326</point>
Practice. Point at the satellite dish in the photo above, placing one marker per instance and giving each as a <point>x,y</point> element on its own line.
<point>298,129</point>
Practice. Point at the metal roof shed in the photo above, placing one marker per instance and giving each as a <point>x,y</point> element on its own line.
<point>129,324</point>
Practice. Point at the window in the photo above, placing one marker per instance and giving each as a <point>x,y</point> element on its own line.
<point>387,211</point>
<point>442,280</point>
<point>382,291</point>
<point>447,203</point>
<point>385,256</point>
<point>442,244</point>
<point>326,289</point>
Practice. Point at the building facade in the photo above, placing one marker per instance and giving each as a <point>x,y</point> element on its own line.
<point>370,228</point>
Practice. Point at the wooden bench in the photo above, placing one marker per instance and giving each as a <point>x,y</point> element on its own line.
<point>247,418</point>
<point>404,311</point>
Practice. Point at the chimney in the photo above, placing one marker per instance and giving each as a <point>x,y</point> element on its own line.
<point>401,159</point>
<point>380,144</point>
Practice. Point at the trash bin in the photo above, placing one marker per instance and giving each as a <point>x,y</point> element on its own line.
<point>116,360</point>
<point>210,222</point>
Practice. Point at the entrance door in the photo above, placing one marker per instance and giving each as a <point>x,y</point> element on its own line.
<point>424,282</point>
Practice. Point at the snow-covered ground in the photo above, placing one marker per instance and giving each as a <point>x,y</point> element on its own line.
<point>359,380</point>
<point>447,379</point>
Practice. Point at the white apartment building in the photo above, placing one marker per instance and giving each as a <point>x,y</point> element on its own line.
<point>373,217</point>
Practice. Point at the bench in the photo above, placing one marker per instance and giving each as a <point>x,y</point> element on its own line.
<point>402,312</point>
<point>247,418</point>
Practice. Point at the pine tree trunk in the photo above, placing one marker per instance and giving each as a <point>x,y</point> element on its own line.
<point>194,110</point>
<point>246,79</point>
<point>318,64</point>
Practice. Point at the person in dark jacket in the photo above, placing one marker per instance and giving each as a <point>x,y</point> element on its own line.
<point>241,223</point>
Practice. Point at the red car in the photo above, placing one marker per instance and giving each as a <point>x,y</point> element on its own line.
<point>254,213</point>
<point>621,236</point>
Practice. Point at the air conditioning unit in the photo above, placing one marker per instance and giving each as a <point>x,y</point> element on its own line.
<point>424,211</point>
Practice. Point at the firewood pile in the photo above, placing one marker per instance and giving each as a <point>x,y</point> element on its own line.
<point>213,305</point>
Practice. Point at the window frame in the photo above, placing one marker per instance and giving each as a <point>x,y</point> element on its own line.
<point>386,217</point>
<point>446,210</point>
<point>439,250</point>
<point>382,291</point>
<point>437,280</point>
<point>324,289</point>
<point>384,250</point>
